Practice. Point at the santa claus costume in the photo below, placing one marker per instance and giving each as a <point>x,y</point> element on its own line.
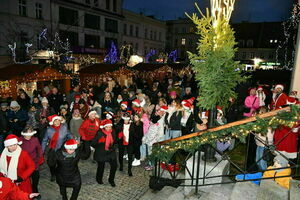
<point>260,94</point>
<point>16,164</point>
<point>104,143</point>
<point>281,99</point>
<point>10,191</point>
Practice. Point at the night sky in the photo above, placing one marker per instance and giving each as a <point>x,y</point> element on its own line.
<point>245,10</point>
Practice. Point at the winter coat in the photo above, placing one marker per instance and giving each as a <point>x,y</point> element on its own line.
<point>75,124</point>
<point>32,120</point>
<point>97,108</point>
<point>25,168</point>
<point>135,134</point>
<point>88,129</point>
<point>34,149</point>
<point>251,102</point>
<point>281,100</point>
<point>101,155</point>
<point>64,135</point>
<point>84,111</point>
<point>22,117</point>
<point>146,123</point>
<point>24,103</point>
<point>10,191</point>
<point>38,116</point>
<point>55,101</point>
<point>3,123</point>
<point>189,126</point>
<point>174,123</point>
<point>66,168</point>
<point>284,181</point>
<point>233,113</point>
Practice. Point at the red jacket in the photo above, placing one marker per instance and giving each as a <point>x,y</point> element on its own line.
<point>88,129</point>
<point>282,100</point>
<point>24,170</point>
<point>9,191</point>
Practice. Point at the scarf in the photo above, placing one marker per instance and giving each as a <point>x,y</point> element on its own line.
<point>11,170</point>
<point>54,139</point>
<point>109,139</point>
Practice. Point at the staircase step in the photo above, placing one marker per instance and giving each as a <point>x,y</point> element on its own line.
<point>158,195</point>
<point>294,190</point>
<point>269,189</point>
<point>244,191</point>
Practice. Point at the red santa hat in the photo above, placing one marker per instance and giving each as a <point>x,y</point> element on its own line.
<point>93,112</point>
<point>71,144</point>
<point>12,139</point>
<point>124,103</point>
<point>186,105</point>
<point>219,109</point>
<point>52,118</point>
<point>279,86</point>
<point>260,88</point>
<point>136,102</point>
<point>77,96</point>
<point>164,108</point>
<point>106,122</point>
<point>191,100</point>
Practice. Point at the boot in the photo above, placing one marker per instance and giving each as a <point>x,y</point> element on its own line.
<point>129,172</point>
<point>112,183</point>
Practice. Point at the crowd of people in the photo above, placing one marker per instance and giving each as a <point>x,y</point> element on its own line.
<point>107,123</point>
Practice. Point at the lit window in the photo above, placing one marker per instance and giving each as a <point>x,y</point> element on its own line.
<point>275,41</point>
<point>271,41</point>
<point>183,41</point>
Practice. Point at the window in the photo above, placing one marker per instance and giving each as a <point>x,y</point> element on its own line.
<point>146,33</point>
<point>250,43</point>
<point>151,34</point>
<point>241,43</point>
<point>107,4</point>
<point>108,42</point>
<point>154,35</point>
<point>68,16</point>
<point>22,8</point>
<point>183,30</point>
<point>88,1</point>
<point>183,41</point>
<point>115,5</point>
<point>137,31</point>
<point>92,41</point>
<point>92,21</point>
<point>125,29</point>
<point>131,30</point>
<point>71,36</point>
<point>244,55</point>
<point>159,36</point>
<point>111,25</point>
<point>251,55</point>
<point>38,11</point>
<point>96,3</point>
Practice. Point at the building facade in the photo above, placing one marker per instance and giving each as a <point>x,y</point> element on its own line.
<point>89,25</point>
<point>143,33</point>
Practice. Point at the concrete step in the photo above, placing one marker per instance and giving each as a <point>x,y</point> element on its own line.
<point>244,191</point>
<point>294,190</point>
<point>158,195</point>
<point>269,189</point>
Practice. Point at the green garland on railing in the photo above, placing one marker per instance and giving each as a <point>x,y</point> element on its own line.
<point>166,151</point>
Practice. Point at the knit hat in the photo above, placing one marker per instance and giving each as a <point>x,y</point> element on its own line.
<point>136,103</point>
<point>28,131</point>
<point>173,93</point>
<point>52,118</point>
<point>14,104</point>
<point>279,86</point>
<point>93,112</point>
<point>124,103</point>
<point>71,144</point>
<point>12,139</point>
<point>106,122</point>
<point>44,100</point>
<point>164,108</point>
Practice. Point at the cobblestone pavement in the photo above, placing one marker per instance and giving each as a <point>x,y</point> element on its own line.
<point>126,187</point>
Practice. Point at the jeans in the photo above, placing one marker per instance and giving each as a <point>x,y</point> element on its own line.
<point>143,149</point>
<point>170,134</point>
<point>262,164</point>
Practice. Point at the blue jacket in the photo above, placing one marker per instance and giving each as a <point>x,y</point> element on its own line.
<point>64,135</point>
<point>22,117</point>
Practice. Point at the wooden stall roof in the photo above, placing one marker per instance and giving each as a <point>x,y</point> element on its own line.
<point>154,66</point>
<point>100,68</point>
<point>15,70</point>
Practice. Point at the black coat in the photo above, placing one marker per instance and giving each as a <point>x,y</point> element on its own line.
<point>175,120</point>
<point>101,155</point>
<point>136,133</point>
<point>190,125</point>
<point>66,171</point>
<point>55,101</point>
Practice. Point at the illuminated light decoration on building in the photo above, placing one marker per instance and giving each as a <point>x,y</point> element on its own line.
<point>134,60</point>
<point>112,56</point>
<point>173,56</point>
<point>14,56</point>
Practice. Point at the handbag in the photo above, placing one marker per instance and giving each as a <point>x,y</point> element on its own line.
<point>246,109</point>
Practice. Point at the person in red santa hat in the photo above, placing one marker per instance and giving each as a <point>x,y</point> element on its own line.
<point>10,191</point>
<point>16,164</point>
<point>260,94</point>
<point>67,173</point>
<point>280,99</point>
<point>105,151</point>
<point>89,128</point>
<point>188,119</point>
<point>33,147</point>
<point>136,106</point>
<point>75,104</point>
<point>56,134</point>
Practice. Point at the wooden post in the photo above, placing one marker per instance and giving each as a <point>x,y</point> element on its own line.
<point>66,85</point>
<point>13,88</point>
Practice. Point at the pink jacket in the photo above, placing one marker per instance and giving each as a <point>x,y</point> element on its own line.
<point>251,102</point>
<point>146,123</point>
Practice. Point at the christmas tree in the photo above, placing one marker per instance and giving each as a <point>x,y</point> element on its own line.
<point>112,56</point>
